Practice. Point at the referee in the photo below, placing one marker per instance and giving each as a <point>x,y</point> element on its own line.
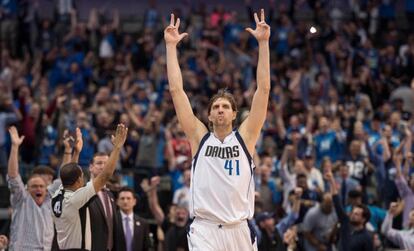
<point>70,211</point>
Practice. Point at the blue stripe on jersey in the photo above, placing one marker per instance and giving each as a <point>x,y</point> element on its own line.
<point>239,138</point>
<point>203,140</point>
<point>249,157</point>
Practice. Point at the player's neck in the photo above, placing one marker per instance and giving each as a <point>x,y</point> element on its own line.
<point>221,133</point>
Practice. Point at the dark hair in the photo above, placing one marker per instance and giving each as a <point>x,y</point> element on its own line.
<point>70,173</point>
<point>41,170</point>
<point>223,93</point>
<point>354,194</point>
<point>98,154</point>
<point>127,189</point>
<point>300,175</point>
<point>365,212</point>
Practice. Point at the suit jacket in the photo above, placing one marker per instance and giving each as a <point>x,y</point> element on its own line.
<point>99,226</point>
<point>140,240</point>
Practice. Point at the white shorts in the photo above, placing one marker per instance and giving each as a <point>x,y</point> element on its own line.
<point>207,236</point>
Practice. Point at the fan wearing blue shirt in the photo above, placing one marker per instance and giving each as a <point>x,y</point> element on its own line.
<point>327,142</point>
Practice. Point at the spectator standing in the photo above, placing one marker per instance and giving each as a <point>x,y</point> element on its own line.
<point>32,212</point>
<point>134,234</point>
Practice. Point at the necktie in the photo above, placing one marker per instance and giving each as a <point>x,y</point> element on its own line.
<point>108,220</point>
<point>343,192</point>
<point>128,235</point>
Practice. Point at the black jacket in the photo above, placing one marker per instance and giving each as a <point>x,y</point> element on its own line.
<point>99,226</point>
<point>140,239</point>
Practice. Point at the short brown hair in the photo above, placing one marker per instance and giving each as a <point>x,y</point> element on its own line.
<point>43,170</point>
<point>34,175</point>
<point>223,93</point>
<point>98,154</point>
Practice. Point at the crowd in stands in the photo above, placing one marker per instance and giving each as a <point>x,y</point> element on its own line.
<point>335,166</point>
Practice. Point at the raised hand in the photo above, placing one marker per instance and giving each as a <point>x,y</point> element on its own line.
<point>171,34</point>
<point>262,31</point>
<point>120,136</point>
<point>78,141</point>
<point>14,135</point>
<point>3,242</point>
<point>66,141</point>
<point>155,181</point>
<point>298,192</point>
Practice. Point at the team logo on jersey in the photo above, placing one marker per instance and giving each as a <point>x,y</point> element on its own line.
<point>222,152</point>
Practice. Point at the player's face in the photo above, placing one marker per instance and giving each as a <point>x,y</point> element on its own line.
<point>126,201</point>
<point>98,165</point>
<point>37,189</point>
<point>221,113</point>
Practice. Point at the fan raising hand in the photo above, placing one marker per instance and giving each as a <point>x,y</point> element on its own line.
<point>171,34</point>
<point>262,31</point>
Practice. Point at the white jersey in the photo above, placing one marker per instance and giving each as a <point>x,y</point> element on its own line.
<point>222,185</point>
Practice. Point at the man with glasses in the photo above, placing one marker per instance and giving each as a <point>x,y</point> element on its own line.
<point>32,223</point>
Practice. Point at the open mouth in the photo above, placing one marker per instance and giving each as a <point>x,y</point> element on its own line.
<point>38,195</point>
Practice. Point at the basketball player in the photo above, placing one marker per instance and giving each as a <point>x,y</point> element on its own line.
<point>222,186</point>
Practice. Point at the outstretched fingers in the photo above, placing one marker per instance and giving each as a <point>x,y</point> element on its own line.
<point>256,18</point>
<point>183,35</point>
<point>177,24</point>
<point>172,19</point>
<point>262,15</point>
<point>250,30</point>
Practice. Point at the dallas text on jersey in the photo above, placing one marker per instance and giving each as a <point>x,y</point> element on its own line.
<point>222,152</point>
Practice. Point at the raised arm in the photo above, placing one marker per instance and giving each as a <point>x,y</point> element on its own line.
<point>192,126</point>
<point>17,191</point>
<point>118,141</point>
<point>400,181</point>
<point>291,218</point>
<point>391,233</point>
<point>250,128</point>
<point>67,152</point>
<point>407,151</point>
<point>154,204</point>
<point>13,165</point>
<point>337,202</point>
<point>78,146</point>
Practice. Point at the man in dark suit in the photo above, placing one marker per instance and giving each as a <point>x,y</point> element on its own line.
<point>133,233</point>
<point>102,210</point>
